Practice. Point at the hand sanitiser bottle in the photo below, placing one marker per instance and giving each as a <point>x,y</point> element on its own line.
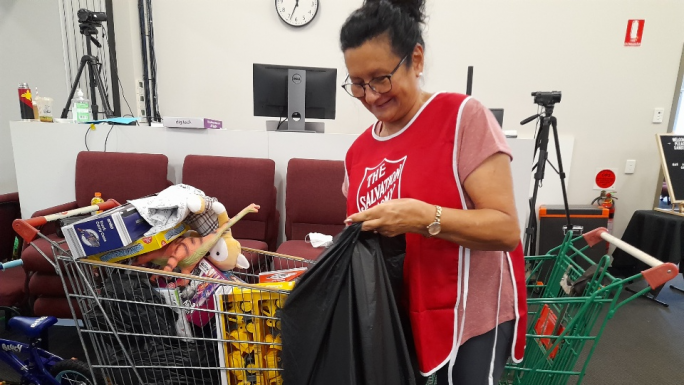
<point>80,110</point>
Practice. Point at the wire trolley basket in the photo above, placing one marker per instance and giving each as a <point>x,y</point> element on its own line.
<point>570,300</point>
<point>137,326</point>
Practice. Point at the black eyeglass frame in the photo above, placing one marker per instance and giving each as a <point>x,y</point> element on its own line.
<point>363,85</point>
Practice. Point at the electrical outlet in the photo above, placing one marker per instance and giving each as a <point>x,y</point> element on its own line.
<point>658,115</point>
<point>630,166</point>
<point>139,86</point>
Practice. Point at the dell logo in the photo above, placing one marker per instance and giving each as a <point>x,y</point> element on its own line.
<point>296,78</point>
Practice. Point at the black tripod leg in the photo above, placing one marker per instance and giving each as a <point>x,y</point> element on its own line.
<point>542,144</point>
<point>81,66</point>
<point>561,173</point>
<point>100,87</point>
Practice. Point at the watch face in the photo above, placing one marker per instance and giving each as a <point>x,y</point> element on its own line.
<point>434,228</point>
<point>297,13</point>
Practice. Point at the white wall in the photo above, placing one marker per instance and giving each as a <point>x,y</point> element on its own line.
<point>31,52</point>
<point>206,49</point>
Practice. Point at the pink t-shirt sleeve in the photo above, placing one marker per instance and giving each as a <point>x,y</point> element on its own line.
<point>479,137</point>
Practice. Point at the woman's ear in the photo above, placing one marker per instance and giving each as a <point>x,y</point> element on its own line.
<point>418,59</point>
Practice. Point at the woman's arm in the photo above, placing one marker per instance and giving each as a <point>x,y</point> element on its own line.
<point>491,225</point>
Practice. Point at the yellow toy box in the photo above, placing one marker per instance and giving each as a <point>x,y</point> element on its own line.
<point>248,322</point>
<point>142,245</point>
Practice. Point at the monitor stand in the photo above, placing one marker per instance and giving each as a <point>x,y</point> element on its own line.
<point>296,100</point>
<point>310,127</point>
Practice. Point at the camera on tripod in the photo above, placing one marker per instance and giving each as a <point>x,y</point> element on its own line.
<point>90,17</point>
<point>547,98</point>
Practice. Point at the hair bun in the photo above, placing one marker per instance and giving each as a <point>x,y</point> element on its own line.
<point>414,8</point>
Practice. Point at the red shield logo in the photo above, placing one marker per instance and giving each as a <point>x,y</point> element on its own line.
<point>380,184</point>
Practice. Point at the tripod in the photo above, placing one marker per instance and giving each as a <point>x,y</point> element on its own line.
<point>88,30</point>
<point>548,121</point>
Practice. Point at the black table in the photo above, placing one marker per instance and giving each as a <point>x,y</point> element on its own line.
<point>656,233</point>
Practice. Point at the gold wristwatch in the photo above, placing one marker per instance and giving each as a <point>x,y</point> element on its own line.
<point>435,227</point>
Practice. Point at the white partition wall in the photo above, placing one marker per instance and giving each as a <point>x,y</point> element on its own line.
<point>45,155</point>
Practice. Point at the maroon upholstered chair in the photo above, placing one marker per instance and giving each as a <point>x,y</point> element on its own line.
<point>313,203</point>
<point>119,176</point>
<point>236,183</point>
<point>12,281</point>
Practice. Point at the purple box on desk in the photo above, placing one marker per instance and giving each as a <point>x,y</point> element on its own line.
<point>180,122</point>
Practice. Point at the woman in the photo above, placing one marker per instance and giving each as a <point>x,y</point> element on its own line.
<point>436,167</point>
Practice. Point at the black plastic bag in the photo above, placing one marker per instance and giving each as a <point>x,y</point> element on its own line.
<point>341,323</point>
<point>131,312</point>
<point>161,361</point>
<point>128,299</point>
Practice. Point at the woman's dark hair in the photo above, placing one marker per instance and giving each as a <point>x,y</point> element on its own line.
<point>400,19</point>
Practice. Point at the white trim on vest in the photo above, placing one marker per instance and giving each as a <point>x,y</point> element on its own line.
<point>385,138</point>
<point>496,328</point>
<point>517,312</point>
<point>465,254</point>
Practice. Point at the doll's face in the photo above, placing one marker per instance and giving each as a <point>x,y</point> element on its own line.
<point>221,258</point>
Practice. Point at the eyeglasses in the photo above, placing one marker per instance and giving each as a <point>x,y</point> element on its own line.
<point>380,85</point>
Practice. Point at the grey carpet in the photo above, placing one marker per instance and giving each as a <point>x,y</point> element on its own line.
<point>643,343</point>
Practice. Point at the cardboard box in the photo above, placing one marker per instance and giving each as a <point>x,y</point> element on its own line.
<point>142,245</point>
<point>200,293</point>
<point>177,122</point>
<point>281,275</point>
<point>107,231</point>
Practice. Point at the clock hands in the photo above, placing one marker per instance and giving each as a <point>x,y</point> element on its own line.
<point>293,10</point>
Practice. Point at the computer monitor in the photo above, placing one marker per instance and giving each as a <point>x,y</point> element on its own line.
<point>295,93</point>
<point>498,114</point>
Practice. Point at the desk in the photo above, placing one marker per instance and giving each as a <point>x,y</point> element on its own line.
<point>656,233</point>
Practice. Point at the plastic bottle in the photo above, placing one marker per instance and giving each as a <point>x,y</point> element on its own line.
<point>80,109</point>
<point>36,115</point>
<point>45,109</point>
<point>97,199</point>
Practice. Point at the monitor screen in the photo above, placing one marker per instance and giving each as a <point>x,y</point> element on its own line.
<point>270,84</point>
<point>498,114</point>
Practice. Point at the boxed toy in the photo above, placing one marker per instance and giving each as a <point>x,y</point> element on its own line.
<point>281,275</point>
<point>143,245</point>
<point>249,332</point>
<point>109,230</point>
<point>198,294</point>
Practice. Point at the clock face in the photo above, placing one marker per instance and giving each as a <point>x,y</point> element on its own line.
<point>297,13</point>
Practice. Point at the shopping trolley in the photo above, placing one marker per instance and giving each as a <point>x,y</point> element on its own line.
<point>137,327</point>
<point>570,300</point>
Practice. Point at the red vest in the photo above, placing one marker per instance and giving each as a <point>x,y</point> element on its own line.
<point>419,162</point>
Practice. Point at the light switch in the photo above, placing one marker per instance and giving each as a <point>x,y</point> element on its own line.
<point>658,115</point>
<point>630,166</point>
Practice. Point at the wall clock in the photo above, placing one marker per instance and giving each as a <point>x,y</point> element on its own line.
<point>297,13</point>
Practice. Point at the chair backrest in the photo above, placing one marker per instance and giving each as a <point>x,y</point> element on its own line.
<point>9,211</point>
<point>314,201</point>
<point>118,175</point>
<point>237,183</point>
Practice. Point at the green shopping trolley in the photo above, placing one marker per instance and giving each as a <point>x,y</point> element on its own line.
<point>567,293</point>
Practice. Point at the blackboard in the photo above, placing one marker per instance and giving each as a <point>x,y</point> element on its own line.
<point>672,157</point>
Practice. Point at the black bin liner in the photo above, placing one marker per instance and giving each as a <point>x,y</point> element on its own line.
<point>158,358</point>
<point>341,323</point>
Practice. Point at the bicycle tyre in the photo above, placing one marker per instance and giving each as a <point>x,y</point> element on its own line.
<point>67,370</point>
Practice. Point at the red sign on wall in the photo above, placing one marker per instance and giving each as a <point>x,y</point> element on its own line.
<point>605,179</point>
<point>635,30</point>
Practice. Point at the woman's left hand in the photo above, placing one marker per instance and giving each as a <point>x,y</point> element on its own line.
<point>395,217</point>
